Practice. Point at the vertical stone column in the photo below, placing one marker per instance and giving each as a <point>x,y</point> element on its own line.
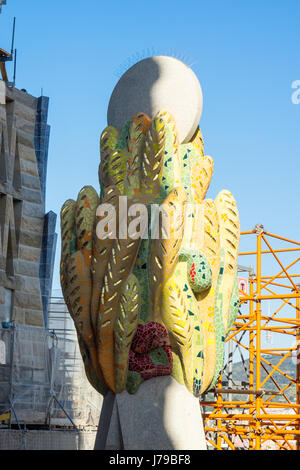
<point>162,415</point>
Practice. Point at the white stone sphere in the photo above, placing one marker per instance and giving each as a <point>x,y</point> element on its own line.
<point>157,83</point>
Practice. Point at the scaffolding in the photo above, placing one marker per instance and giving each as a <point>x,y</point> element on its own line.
<point>262,411</point>
<point>42,378</point>
<point>86,401</point>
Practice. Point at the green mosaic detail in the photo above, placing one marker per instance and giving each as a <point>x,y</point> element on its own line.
<point>234,305</point>
<point>134,380</point>
<point>221,334</point>
<point>198,269</point>
<point>159,357</point>
<point>219,324</point>
<point>198,345</point>
<point>167,182</point>
<point>122,142</point>
<point>73,241</point>
<point>141,271</point>
<point>188,157</point>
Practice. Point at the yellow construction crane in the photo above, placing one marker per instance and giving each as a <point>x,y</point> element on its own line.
<point>264,411</point>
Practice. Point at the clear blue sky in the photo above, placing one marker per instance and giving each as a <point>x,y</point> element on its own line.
<point>245,54</point>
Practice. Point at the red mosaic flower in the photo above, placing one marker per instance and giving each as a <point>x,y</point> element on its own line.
<point>151,353</point>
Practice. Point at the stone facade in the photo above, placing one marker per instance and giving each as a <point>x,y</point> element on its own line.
<point>27,239</point>
<point>41,144</point>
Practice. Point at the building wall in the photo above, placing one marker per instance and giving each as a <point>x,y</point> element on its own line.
<point>41,144</point>
<point>25,241</point>
<point>47,440</point>
<point>47,261</point>
<point>2,2</point>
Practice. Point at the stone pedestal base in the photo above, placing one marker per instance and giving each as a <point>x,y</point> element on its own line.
<point>162,415</point>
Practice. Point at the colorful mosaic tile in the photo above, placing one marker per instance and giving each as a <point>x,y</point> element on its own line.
<point>145,308</point>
